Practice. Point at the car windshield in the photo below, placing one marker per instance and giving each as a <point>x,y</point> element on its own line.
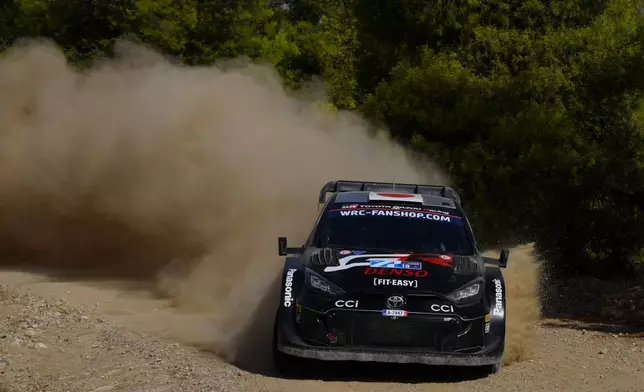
<point>394,228</point>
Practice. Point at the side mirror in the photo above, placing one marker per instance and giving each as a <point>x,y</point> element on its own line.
<point>503,258</point>
<point>281,244</point>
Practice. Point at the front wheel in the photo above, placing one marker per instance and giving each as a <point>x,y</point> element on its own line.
<point>495,368</point>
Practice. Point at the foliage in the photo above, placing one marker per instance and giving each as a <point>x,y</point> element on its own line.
<point>535,108</point>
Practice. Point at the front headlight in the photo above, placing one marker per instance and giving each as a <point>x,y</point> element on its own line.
<point>318,283</point>
<point>466,293</point>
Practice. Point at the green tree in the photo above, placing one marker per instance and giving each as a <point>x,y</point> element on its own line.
<point>536,127</point>
<point>326,40</point>
<point>535,108</point>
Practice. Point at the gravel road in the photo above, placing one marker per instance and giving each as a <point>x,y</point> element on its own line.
<point>98,336</point>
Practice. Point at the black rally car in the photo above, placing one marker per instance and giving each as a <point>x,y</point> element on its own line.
<point>390,273</point>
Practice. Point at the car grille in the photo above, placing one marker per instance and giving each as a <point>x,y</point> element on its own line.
<point>385,332</point>
<point>371,329</point>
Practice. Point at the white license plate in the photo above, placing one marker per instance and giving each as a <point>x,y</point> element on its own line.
<point>394,312</point>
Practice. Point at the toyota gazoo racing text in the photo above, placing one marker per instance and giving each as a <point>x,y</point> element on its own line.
<point>390,273</point>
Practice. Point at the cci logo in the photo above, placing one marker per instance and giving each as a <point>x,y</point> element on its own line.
<point>346,304</point>
<point>442,308</point>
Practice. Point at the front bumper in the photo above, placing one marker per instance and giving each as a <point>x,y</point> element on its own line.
<point>488,356</point>
<point>350,335</point>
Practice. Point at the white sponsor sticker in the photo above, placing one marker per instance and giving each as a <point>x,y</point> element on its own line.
<point>442,308</point>
<point>288,288</point>
<point>498,296</point>
<point>396,213</point>
<point>395,262</point>
<point>346,304</point>
<point>362,260</point>
<point>395,282</point>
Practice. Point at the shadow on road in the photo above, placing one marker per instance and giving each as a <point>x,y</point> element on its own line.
<point>383,372</point>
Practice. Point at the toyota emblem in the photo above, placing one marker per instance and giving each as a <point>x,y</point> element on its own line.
<point>395,301</point>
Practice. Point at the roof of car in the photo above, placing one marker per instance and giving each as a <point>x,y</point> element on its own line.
<point>365,197</point>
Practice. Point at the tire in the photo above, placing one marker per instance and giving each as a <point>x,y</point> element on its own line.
<point>495,368</point>
<point>284,364</point>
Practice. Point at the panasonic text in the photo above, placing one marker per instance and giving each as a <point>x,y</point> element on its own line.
<point>498,296</point>
<point>288,287</point>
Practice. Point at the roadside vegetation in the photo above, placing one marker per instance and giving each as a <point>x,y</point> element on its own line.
<point>534,108</point>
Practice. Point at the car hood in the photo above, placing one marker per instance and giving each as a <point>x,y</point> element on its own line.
<point>377,272</point>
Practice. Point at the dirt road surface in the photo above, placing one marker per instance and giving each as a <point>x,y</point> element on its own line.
<point>100,336</point>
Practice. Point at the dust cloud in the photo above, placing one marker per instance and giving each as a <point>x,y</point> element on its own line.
<point>183,176</point>
<point>522,277</point>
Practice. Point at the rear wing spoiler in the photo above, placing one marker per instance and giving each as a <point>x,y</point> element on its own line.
<point>353,186</point>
